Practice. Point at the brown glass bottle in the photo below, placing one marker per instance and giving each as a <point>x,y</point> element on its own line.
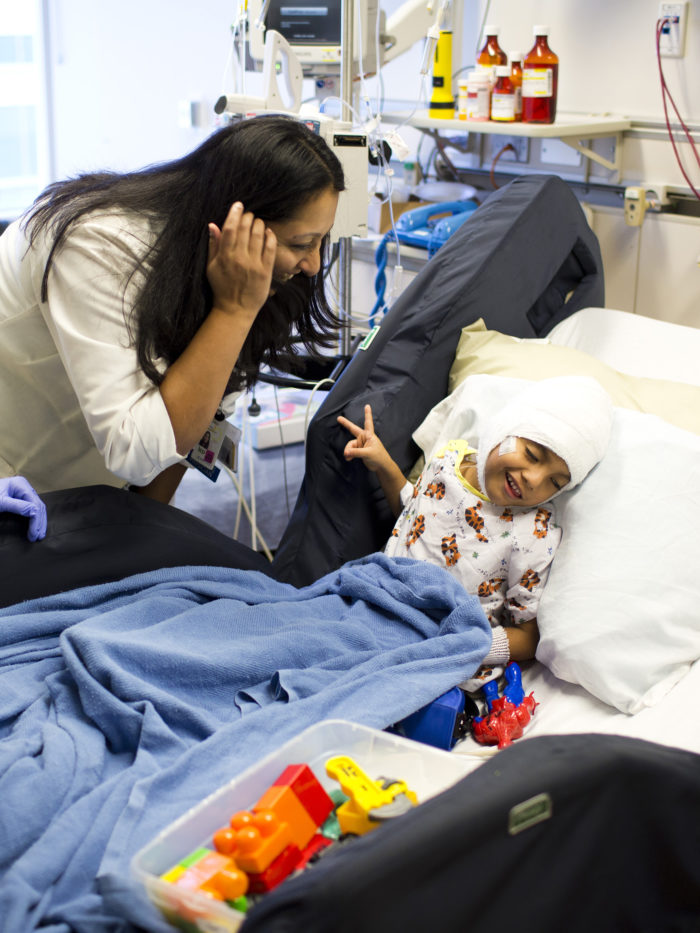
<point>503,97</point>
<point>516,76</point>
<point>540,80</point>
<point>491,54</point>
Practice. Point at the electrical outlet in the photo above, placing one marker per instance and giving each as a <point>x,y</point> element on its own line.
<point>635,205</point>
<point>519,153</point>
<point>672,38</point>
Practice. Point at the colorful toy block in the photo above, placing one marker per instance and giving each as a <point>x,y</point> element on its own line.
<point>285,863</point>
<point>209,873</point>
<point>307,787</point>
<point>317,844</point>
<point>282,800</point>
<point>259,838</point>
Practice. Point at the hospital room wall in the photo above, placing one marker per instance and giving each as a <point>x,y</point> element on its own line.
<point>121,78</point>
<point>608,64</point>
<point>120,74</point>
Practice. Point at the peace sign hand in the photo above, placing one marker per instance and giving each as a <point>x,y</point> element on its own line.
<point>365,445</point>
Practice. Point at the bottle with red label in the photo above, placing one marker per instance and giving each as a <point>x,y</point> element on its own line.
<point>540,80</point>
<point>491,54</point>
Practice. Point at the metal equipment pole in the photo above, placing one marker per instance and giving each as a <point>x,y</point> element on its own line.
<point>345,243</point>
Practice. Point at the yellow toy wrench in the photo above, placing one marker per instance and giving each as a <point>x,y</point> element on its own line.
<point>370,801</point>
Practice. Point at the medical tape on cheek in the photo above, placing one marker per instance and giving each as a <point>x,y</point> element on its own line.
<point>507,446</point>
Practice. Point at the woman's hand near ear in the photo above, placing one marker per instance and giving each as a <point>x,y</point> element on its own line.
<point>239,269</point>
<point>240,263</point>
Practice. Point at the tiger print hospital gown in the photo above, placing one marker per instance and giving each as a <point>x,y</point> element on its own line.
<point>501,554</point>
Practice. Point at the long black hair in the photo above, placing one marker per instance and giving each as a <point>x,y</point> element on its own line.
<point>274,165</point>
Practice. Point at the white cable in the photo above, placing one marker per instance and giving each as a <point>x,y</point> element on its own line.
<point>252,515</point>
<point>238,481</point>
<point>378,67</point>
<point>284,452</point>
<point>228,66</point>
<point>241,498</point>
<point>342,102</point>
<point>481,29</point>
<point>260,21</point>
<point>237,36</point>
<point>307,417</point>
<point>432,38</point>
<point>241,466</point>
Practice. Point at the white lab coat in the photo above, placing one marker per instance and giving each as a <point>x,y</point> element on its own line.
<point>75,407</point>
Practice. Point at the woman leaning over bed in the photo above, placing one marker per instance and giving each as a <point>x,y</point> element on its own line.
<point>132,305</point>
<point>482,513</point>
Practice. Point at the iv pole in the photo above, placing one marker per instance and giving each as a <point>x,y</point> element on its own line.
<point>345,242</point>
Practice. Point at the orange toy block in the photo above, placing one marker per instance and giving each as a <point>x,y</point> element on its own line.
<point>308,789</point>
<point>284,802</point>
<point>259,841</point>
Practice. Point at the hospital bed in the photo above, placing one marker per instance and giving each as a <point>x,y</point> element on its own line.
<point>516,293</point>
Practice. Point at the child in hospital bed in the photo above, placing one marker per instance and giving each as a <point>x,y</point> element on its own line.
<point>484,514</point>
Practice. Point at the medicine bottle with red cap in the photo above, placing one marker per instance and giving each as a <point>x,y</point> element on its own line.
<point>540,80</point>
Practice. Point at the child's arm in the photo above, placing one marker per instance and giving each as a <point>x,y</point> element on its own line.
<point>522,640</point>
<point>367,447</point>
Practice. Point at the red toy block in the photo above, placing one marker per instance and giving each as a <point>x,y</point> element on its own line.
<point>282,800</point>
<point>308,789</point>
<point>318,843</point>
<point>285,863</point>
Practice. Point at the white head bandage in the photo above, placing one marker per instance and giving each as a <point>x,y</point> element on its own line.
<point>507,445</point>
<point>571,415</point>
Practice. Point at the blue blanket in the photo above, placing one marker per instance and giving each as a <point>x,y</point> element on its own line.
<point>122,705</point>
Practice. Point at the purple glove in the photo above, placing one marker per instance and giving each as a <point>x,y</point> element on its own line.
<point>18,496</point>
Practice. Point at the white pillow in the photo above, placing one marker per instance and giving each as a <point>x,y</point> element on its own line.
<point>462,413</point>
<point>620,614</point>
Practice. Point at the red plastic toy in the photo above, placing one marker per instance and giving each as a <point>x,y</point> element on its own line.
<point>505,722</point>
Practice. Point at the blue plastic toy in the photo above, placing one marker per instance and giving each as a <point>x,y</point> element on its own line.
<point>441,723</point>
<point>513,691</point>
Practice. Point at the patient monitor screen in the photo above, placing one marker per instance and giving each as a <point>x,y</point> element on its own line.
<point>314,23</point>
<point>313,31</point>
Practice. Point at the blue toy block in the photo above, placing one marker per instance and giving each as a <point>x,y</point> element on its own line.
<point>442,722</point>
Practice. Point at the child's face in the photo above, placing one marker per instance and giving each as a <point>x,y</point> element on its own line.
<point>527,475</point>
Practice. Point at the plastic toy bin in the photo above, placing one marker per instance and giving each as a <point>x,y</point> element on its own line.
<point>426,770</point>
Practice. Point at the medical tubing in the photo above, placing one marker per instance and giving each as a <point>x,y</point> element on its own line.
<point>238,483</point>
<point>253,511</point>
<point>260,21</point>
<point>243,438</point>
<point>484,20</point>
<point>263,544</point>
<point>664,93</point>
<point>380,257</point>
<point>307,414</point>
<point>492,174</point>
<point>283,451</point>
